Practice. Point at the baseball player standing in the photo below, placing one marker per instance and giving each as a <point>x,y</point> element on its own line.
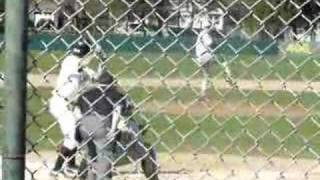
<point>72,77</point>
<point>206,43</point>
<point>203,57</point>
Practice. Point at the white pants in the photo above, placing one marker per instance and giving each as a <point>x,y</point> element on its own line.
<point>204,58</point>
<point>66,119</point>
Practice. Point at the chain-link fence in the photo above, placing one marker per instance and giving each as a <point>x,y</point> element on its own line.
<point>220,89</point>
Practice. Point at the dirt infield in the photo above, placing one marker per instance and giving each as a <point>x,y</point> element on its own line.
<point>188,166</point>
<point>215,108</point>
<point>266,85</point>
<point>184,166</point>
<point>227,109</point>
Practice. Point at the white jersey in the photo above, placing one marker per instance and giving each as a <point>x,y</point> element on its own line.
<point>70,77</point>
<point>203,43</point>
<point>73,77</point>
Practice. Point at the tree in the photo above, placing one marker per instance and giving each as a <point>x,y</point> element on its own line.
<point>2,9</point>
<point>265,14</point>
<point>2,6</point>
<point>309,13</point>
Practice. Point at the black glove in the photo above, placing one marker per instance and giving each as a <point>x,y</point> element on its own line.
<point>127,108</point>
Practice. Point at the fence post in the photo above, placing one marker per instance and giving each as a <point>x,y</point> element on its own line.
<point>15,56</point>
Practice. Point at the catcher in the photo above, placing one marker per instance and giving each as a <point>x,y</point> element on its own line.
<point>105,124</point>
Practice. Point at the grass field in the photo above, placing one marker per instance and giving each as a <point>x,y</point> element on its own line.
<point>209,133</point>
<point>213,133</point>
<point>290,67</point>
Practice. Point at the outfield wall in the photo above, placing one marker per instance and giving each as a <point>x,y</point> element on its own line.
<point>182,42</point>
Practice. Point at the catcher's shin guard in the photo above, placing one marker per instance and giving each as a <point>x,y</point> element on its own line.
<point>72,158</point>
<point>58,164</point>
<point>64,154</point>
<point>149,165</point>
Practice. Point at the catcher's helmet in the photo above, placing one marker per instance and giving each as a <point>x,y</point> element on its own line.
<point>105,78</point>
<point>80,49</point>
<point>1,76</point>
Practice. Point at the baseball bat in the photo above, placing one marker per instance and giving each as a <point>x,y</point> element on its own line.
<point>101,54</point>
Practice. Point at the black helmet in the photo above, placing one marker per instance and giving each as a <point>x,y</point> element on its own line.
<point>1,76</point>
<point>80,49</point>
<point>105,78</point>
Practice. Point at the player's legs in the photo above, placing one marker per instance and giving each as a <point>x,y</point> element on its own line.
<point>140,151</point>
<point>90,151</point>
<point>228,75</point>
<point>150,166</point>
<point>205,62</point>
<point>67,122</point>
<point>205,69</point>
<point>69,142</point>
<point>65,153</point>
<point>93,131</point>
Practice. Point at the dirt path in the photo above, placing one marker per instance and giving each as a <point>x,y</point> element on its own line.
<point>220,109</point>
<point>187,166</point>
<point>266,85</point>
<point>215,108</point>
<point>228,109</point>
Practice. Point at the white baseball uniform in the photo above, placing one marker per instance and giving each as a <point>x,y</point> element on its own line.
<point>203,53</point>
<point>70,80</point>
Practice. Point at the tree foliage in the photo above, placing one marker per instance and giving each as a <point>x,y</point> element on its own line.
<point>252,15</point>
<point>2,5</point>
<point>274,15</point>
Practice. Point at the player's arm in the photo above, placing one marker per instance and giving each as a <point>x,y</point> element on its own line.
<point>91,74</point>
<point>71,77</point>
<point>122,107</point>
<point>116,113</point>
<point>207,39</point>
<point>70,87</point>
<point>123,100</point>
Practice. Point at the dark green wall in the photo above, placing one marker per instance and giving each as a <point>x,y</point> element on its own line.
<point>122,43</point>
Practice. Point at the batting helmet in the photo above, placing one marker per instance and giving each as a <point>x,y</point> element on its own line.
<point>80,49</point>
<point>105,78</point>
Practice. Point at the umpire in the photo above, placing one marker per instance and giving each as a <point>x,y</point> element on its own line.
<point>102,107</point>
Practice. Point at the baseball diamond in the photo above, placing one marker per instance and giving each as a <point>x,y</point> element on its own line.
<point>159,89</point>
<point>171,169</point>
<point>266,85</point>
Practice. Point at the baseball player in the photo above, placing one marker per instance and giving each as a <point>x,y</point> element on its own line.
<point>72,77</point>
<point>205,44</point>
<point>104,107</point>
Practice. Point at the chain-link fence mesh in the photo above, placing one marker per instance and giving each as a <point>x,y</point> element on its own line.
<point>221,89</point>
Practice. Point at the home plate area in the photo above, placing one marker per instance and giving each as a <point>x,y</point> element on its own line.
<point>187,166</point>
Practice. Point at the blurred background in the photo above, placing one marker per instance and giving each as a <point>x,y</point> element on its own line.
<point>266,128</point>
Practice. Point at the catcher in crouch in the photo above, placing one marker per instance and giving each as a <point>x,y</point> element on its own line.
<point>108,132</point>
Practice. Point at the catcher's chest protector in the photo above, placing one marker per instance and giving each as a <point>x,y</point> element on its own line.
<point>101,100</point>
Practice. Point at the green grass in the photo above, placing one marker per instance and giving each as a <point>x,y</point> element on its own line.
<point>247,134</point>
<point>293,66</point>
<point>236,135</point>
<point>201,133</point>
<point>186,95</point>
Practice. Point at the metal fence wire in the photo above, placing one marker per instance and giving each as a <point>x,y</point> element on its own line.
<point>200,89</point>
